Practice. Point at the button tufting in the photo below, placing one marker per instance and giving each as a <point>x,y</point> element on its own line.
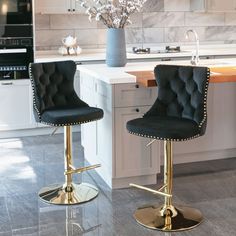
<point>54,98</point>
<point>182,94</point>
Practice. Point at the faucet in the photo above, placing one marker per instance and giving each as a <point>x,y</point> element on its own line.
<point>195,57</point>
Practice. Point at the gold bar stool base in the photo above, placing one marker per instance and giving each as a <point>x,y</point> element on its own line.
<point>77,194</point>
<point>151,217</point>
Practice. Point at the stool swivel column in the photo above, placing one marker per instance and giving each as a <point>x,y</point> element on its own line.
<point>57,104</point>
<point>178,114</point>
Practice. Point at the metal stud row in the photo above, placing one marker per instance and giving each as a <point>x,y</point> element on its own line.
<point>165,139</point>
<point>33,88</point>
<point>68,124</point>
<point>205,99</point>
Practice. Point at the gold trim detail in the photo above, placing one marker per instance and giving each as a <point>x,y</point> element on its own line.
<point>167,217</point>
<point>69,193</point>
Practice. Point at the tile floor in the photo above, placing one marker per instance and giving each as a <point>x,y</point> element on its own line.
<point>27,164</point>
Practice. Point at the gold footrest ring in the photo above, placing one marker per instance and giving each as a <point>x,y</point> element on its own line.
<point>151,217</point>
<point>58,194</point>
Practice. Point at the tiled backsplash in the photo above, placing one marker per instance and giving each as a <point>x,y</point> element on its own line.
<point>161,22</point>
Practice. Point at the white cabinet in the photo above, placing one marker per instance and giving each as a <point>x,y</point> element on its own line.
<point>52,6</point>
<point>16,105</point>
<point>57,6</point>
<point>221,6</point>
<point>124,157</point>
<point>143,159</point>
<point>213,5</point>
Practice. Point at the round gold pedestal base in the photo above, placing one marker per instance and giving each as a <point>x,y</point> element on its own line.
<point>150,217</point>
<point>57,194</point>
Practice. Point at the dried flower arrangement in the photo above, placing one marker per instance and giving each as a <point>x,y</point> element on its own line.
<point>113,13</point>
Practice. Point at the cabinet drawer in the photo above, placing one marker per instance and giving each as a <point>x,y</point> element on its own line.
<point>134,95</point>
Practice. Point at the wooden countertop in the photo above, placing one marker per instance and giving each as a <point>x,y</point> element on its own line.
<point>218,75</point>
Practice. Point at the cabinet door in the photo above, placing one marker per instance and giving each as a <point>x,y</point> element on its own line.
<point>220,6</point>
<point>198,5</point>
<point>52,6</point>
<point>16,105</point>
<point>213,5</point>
<point>133,157</point>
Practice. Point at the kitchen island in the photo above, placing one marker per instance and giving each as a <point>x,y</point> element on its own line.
<point>124,157</point>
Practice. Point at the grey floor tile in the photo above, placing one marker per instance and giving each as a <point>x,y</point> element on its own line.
<point>29,163</point>
<point>32,231</point>
<point>23,211</point>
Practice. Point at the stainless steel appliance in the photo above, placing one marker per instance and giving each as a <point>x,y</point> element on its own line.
<point>16,38</point>
<point>167,49</point>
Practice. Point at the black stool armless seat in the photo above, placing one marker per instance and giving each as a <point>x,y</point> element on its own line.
<point>178,114</point>
<point>56,103</point>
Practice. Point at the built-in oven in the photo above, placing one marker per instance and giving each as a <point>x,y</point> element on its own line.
<point>16,38</point>
<point>15,56</point>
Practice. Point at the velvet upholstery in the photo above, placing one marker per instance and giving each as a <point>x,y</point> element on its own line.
<point>179,112</point>
<point>55,100</point>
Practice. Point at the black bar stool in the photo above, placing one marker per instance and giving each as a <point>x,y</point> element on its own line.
<point>178,114</point>
<point>56,103</point>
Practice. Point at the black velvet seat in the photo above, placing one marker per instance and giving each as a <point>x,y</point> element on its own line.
<point>71,116</point>
<point>56,103</point>
<point>178,114</point>
<point>166,128</point>
<point>55,100</point>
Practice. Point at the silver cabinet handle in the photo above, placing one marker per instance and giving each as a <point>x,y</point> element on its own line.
<point>7,83</point>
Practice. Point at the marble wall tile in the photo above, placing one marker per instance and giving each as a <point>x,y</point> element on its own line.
<point>204,19</point>
<point>214,33</point>
<point>51,37</point>
<point>160,22</point>
<point>42,21</point>
<point>153,5</point>
<point>137,20</point>
<point>133,35</point>
<point>178,34</point>
<point>87,36</point>
<point>230,19</point>
<point>229,41</point>
<point>153,35</point>
<point>163,19</point>
<point>177,5</point>
<point>102,36</point>
<point>75,21</point>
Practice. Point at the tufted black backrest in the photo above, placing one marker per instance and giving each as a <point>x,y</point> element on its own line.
<point>53,86</point>
<point>182,92</point>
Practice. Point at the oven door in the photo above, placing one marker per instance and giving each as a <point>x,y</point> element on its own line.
<point>15,12</point>
<point>14,63</point>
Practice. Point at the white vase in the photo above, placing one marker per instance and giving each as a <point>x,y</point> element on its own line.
<point>116,48</point>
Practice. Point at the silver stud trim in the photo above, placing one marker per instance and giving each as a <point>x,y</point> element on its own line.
<point>67,124</point>
<point>205,99</point>
<point>34,89</point>
<point>165,139</point>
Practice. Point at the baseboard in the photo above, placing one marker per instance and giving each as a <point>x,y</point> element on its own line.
<point>33,132</point>
<point>203,156</point>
